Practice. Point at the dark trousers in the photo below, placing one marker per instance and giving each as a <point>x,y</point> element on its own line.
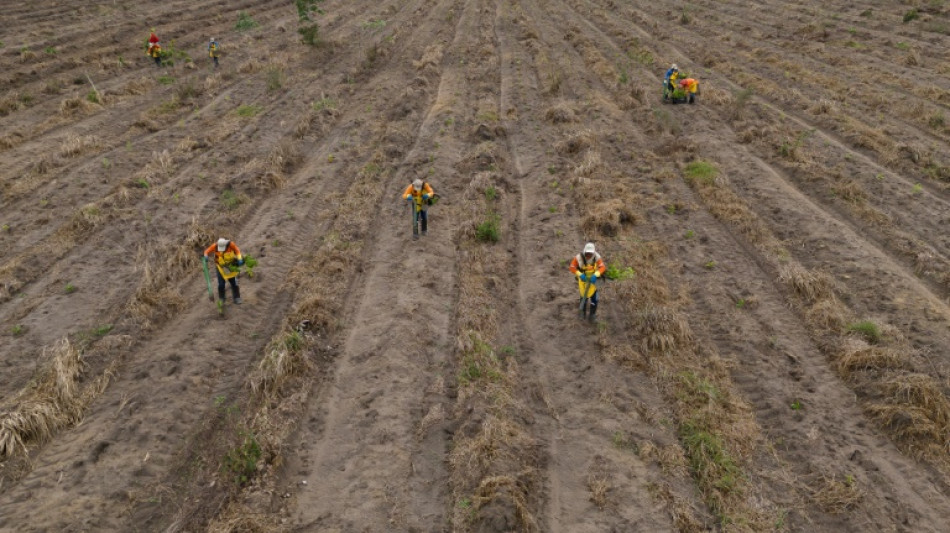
<point>422,217</point>
<point>234,285</point>
<point>215,61</point>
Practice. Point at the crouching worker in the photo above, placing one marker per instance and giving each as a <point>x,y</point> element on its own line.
<point>690,88</point>
<point>226,255</point>
<point>588,267</point>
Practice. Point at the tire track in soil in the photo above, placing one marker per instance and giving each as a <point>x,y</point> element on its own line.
<point>842,435</point>
<point>589,402</point>
<point>183,330</point>
<point>389,381</point>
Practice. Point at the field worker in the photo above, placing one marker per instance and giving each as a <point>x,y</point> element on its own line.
<point>670,78</point>
<point>588,266</point>
<point>419,194</point>
<point>226,254</point>
<point>691,87</point>
<point>213,50</point>
<point>154,48</point>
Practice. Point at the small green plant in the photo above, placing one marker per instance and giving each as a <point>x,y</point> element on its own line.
<point>165,79</point>
<point>324,103</point>
<point>552,209</point>
<point>248,110</point>
<point>250,264</point>
<point>685,18</point>
<point>230,200</point>
<point>1,44</point>
<point>710,265</point>
<point>868,329</point>
<point>245,22</point>
<point>309,34</point>
<point>917,188</point>
<point>106,163</point>
<point>911,15</point>
<point>18,330</point>
<point>331,158</point>
<point>901,45</point>
<point>740,303</point>
<point>102,331</point>
<point>491,193</point>
<point>93,97</point>
<point>465,503</point>
<point>142,183</point>
<point>867,13</point>
<point>689,234</point>
<point>796,405</point>
<point>488,230</point>
<point>615,273</point>
<point>702,171</point>
<point>5,227</point>
<point>220,304</point>
<point>293,341</point>
<point>50,50</point>
<point>70,288</point>
<point>242,459</point>
<point>623,77</point>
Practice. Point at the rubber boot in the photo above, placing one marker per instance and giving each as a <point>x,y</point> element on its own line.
<point>425,223</point>
<point>237,294</point>
<point>592,313</point>
<point>221,294</point>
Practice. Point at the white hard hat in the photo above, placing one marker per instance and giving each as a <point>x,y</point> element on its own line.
<point>589,248</point>
<point>417,185</point>
<point>674,67</point>
<point>222,244</point>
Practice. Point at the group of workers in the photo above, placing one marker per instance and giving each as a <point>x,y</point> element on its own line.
<point>153,49</point>
<point>689,86</point>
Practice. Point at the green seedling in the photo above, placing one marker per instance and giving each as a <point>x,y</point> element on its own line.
<point>18,330</point>
<point>615,273</point>
<point>250,264</point>
<point>70,288</point>
<point>710,265</point>
<point>689,234</point>
<point>796,405</point>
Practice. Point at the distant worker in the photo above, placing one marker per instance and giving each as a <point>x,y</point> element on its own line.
<point>419,194</point>
<point>670,78</point>
<point>226,255</point>
<point>588,267</point>
<point>214,48</point>
<point>690,88</point>
<point>154,48</point>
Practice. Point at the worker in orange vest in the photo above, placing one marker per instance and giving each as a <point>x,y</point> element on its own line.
<point>588,267</point>
<point>227,257</point>
<point>420,195</point>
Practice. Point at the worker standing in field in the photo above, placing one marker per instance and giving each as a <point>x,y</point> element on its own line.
<point>420,196</point>
<point>670,78</point>
<point>214,49</point>
<point>588,267</point>
<point>154,48</point>
<point>227,258</point>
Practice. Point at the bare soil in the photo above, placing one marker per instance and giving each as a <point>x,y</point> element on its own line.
<point>773,353</point>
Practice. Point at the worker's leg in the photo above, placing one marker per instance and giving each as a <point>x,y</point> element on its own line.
<point>235,290</point>
<point>423,215</point>
<point>220,284</point>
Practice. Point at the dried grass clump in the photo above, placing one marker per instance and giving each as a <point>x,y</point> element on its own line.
<point>917,412</point>
<point>608,218</point>
<point>834,495</point>
<point>576,143</point>
<point>284,359</point>
<point>282,159</point>
<point>561,113</point>
<point>827,314</point>
<point>75,145</point>
<point>250,67</point>
<point>154,299</point>
<point>824,106</point>
<point>76,104</point>
<point>52,403</point>
<point>662,329</point>
<point>502,502</point>
<point>857,355</point>
<point>591,165</point>
<point>137,86</point>
<point>809,284</point>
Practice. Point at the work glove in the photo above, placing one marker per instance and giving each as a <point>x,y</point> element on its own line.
<point>240,262</point>
<point>593,278</point>
<point>583,277</point>
<point>425,196</point>
<point>409,198</point>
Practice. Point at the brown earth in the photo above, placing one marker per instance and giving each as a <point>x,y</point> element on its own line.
<point>773,355</point>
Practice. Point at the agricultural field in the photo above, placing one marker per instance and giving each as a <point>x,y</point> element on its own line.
<point>772,350</point>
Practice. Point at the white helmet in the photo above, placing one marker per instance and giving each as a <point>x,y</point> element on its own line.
<point>417,185</point>
<point>212,39</point>
<point>589,248</point>
<point>222,244</point>
<point>674,67</point>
